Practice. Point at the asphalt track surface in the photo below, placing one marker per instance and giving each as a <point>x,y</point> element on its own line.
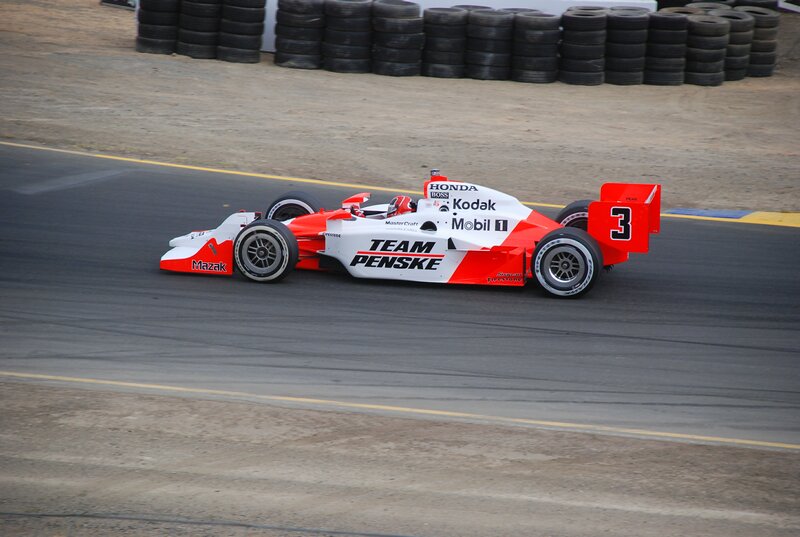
<point>700,337</point>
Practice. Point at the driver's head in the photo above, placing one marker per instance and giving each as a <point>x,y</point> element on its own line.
<point>400,205</point>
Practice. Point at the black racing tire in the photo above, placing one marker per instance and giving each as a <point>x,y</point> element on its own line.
<point>353,39</point>
<point>157,31</point>
<point>668,65</point>
<point>666,50</point>
<point>533,63</point>
<point>735,74</point>
<point>537,36</point>
<point>584,20</point>
<point>737,50</point>
<point>582,66</point>
<point>707,42</point>
<point>737,62</point>
<point>161,18</point>
<point>704,79</point>
<point>581,78</point>
<point>582,52</point>
<point>490,32</point>
<point>490,17</point>
<point>332,50</point>
<point>488,72</point>
<point>537,21</point>
<point>265,251</point>
<point>683,10</point>
<point>705,67</point>
<point>445,44</point>
<point>764,46</point>
<point>708,25</point>
<point>655,35</point>
<point>494,59</point>
<point>387,68</point>
<point>627,36</point>
<point>705,55</point>
<point>740,21</point>
<point>668,21</point>
<point>398,26</point>
<point>348,8</point>
<point>198,38</point>
<point>302,34</point>
<point>624,78</point>
<point>248,42</point>
<point>238,55</point>
<point>471,7</point>
<point>443,58</point>
<point>763,58</point>
<point>627,20</point>
<point>544,50</point>
<point>160,5</point>
<point>291,205</point>
<point>567,262</point>
<point>741,38</point>
<point>765,33</point>
<point>198,52</point>
<point>534,77</point>
<point>298,61</point>
<point>663,78</point>
<point>625,64</point>
<point>404,41</point>
<point>589,9</point>
<point>199,9</point>
<point>307,7</point>
<point>396,9</point>
<point>199,24</point>
<point>584,37</point>
<point>445,16</point>
<point>295,46</point>
<point>765,18</point>
<point>155,46</point>
<point>345,65</point>
<point>241,28</point>
<point>245,3</point>
<point>759,70</point>
<point>348,24</point>
<point>300,20</point>
<point>401,55</point>
<point>438,70</point>
<point>710,6</point>
<point>445,30</point>
<point>490,45</point>
<point>243,14</point>
<point>576,215</point>
<point>625,50</point>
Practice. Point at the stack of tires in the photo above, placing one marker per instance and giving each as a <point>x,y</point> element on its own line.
<point>299,30</point>
<point>583,47</point>
<point>705,7</point>
<point>763,51</point>
<point>535,50</point>
<point>665,61</point>
<point>489,42</point>
<point>445,42</point>
<point>626,45</point>
<point>347,42</point>
<point>157,31</point>
<point>198,29</point>
<point>398,38</point>
<point>707,45</point>
<point>241,28</point>
<point>737,53</point>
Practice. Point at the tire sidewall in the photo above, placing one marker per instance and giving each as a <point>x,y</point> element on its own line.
<point>582,248</point>
<point>270,229</point>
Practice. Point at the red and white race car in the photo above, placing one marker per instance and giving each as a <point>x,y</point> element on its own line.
<point>458,232</point>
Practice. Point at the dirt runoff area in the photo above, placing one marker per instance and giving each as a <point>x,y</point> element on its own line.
<point>91,463</point>
<point>71,79</point>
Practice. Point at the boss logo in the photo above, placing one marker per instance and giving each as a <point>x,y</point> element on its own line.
<point>439,195</point>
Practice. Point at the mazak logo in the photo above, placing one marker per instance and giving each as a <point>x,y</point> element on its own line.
<point>450,186</point>
<point>439,195</point>
<point>479,225</point>
<point>477,205</point>
<point>209,267</point>
<point>394,254</point>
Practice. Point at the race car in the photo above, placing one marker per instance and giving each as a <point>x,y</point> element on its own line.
<point>457,233</point>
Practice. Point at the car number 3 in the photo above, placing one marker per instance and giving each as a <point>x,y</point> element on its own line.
<point>623,231</point>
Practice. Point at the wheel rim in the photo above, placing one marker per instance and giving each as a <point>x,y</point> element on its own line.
<point>262,253</point>
<point>564,266</point>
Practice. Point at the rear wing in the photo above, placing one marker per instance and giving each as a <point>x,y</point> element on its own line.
<point>624,218</point>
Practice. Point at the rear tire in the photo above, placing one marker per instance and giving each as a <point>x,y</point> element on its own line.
<point>292,205</point>
<point>265,251</point>
<point>576,215</point>
<point>567,262</point>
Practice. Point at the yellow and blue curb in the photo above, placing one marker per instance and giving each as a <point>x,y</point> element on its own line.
<point>787,219</point>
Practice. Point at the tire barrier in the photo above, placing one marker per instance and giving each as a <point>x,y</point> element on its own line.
<point>704,43</point>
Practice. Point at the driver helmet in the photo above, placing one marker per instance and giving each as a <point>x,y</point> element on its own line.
<point>400,205</point>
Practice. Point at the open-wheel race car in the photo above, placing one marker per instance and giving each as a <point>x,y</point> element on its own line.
<point>458,233</point>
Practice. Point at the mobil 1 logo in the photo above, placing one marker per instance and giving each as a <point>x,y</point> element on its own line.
<point>475,224</point>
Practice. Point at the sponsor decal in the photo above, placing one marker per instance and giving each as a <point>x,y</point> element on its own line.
<point>479,225</point>
<point>506,277</point>
<point>441,185</point>
<point>209,267</point>
<point>396,223</point>
<point>334,235</point>
<point>383,253</point>
<point>476,205</point>
<point>439,195</point>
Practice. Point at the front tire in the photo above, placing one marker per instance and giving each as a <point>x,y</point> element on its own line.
<point>265,251</point>
<point>567,262</point>
<point>292,205</point>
